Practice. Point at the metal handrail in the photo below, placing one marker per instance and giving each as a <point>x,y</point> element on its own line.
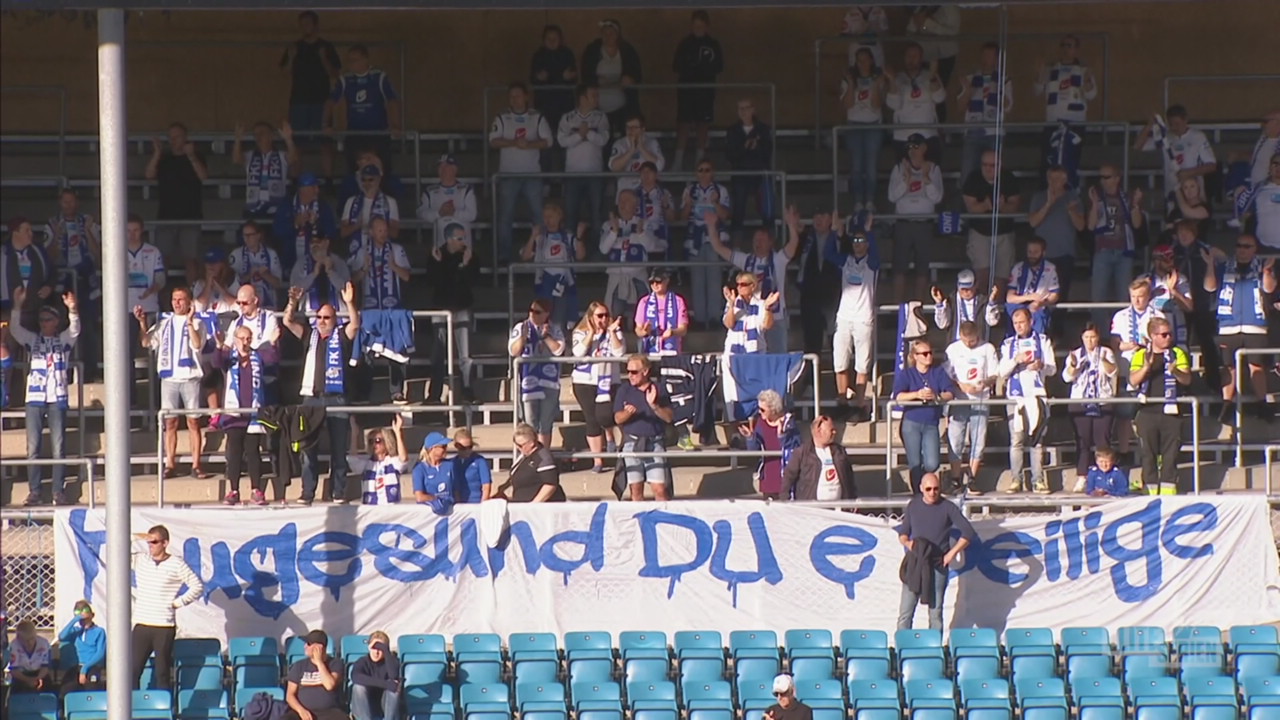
<point>1239,381</point>
<point>84,462</point>
<point>80,409</point>
<point>1194,402</point>
<point>958,37</point>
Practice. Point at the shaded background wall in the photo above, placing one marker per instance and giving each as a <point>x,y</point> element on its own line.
<point>212,69</point>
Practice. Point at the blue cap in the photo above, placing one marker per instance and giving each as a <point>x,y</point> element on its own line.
<point>434,439</point>
<point>370,171</point>
<point>308,180</point>
<point>214,255</point>
<point>965,279</point>
<point>447,159</point>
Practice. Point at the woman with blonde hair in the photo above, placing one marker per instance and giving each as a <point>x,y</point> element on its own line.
<point>597,336</point>
<point>384,460</point>
<point>472,479</point>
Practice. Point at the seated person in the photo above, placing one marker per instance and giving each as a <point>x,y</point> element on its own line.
<point>1105,479</point>
<point>84,651</point>
<point>29,661</point>
<point>375,681</point>
<point>314,689</point>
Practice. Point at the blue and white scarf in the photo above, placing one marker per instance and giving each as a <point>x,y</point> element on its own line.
<point>1014,347</point>
<point>536,379</point>
<point>302,235</point>
<point>264,179</point>
<point>1169,384</point>
<point>73,242</point>
<point>554,248</point>
<point>599,345</point>
<point>702,202</point>
<point>1163,300</point>
<point>380,207</point>
<point>48,365</point>
<point>1065,83</point>
<point>174,349</point>
<point>246,261</point>
<point>666,317</point>
<point>762,268</point>
<point>1090,383</point>
<point>314,298</point>
<point>1249,286</point>
<point>382,285</point>
<point>746,335</point>
<point>334,367</point>
<point>231,399</point>
<point>984,99</point>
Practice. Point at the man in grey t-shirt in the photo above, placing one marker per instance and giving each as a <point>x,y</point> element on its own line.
<point>1058,216</point>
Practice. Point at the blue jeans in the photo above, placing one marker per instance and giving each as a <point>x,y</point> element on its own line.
<point>864,150</point>
<point>509,191</point>
<point>582,201</point>
<point>1112,273</point>
<point>907,607</point>
<point>707,302</point>
<point>924,450</point>
<point>363,699</point>
<point>35,435</point>
<point>339,434</point>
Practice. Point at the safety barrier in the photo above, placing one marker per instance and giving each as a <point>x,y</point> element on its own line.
<point>959,38</point>
<point>80,408</point>
<point>488,116</point>
<point>1240,391</point>
<point>1266,461</point>
<point>1194,402</point>
<point>83,462</point>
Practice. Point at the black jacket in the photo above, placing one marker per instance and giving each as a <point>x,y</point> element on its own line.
<point>451,282</point>
<point>555,63</point>
<point>385,675</point>
<point>299,428</point>
<point>801,475</point>
<point>743,158</point>
<point>916,571</point>
<point>698,59</point>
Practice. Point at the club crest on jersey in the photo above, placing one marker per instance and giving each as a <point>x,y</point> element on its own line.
<point>864,94</point>
<point>915,92</point>
<point>521,132</point>
<point>916,185</point>
<point>362,95</point>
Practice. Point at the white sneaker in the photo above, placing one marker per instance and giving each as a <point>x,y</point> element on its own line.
<point>1081,484</point>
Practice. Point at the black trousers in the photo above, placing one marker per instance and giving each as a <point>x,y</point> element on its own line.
<point>1091,433</point>
<point>1205,327</point>
<point>813,323</point>
<point>146,640</point>
<point>1161,437</point>
<point>244,449</point>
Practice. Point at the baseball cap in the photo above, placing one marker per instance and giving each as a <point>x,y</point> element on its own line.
<point>316,637</point>
<point>434,439</point>
<point>916,139</point>
<point>447,159</point>
<point>308,180</point>
<point>1163,249</point>
<point>214,255</point>
<point>965,279</point>
<point>659,274</point>
<point>610,22</point>
<point>370,171</point>
<point>51,311</point>
<point>782,684</point>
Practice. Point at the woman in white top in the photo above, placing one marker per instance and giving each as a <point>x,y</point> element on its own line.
<point>597,336</point>
<point>383,462</point>
<point>746,316</point>
<point>1091,370</point>
<point>862,93</point>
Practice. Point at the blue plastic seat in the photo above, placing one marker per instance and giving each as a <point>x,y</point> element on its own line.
<point>244,696</point>
<point>353,647</point>
<point>653,701</point>
<point>1261,698</point>
<point>257,676</point>
<point>708,700</point>
<point>588,645</point>
<point>645,670</point>
<point>986,699</point>
<point>541,701</point>
<point>753,644</point>
<point>824,697</point>
<point>478,658</point>
<point>1141,636</point>
<point>485,701</point>
<point>203,704</point>
<point>1085,641</point>
<point>1100,698</point>
<point>424,674</point>
<point>698,643</point>
<point>428,701</point>
<point>196,647</point>
<point>866,654</point>
<point>920,655</point>
<point>597,700</point>
<point>754,697</point>
<point>593,670</point>
<point>875,700</point>
<point>1032,652</point>
<point>975,652</point>
<point>152,705</point>
<point>33,706</point>
<point>1255,650</point>
<point>1155,698</point>
<point>931,699</point>
<point>199,677</point>
<point>1212,698</point>
<point>811,654</point>
<point>646,644</point>
<point>1042,699</point>
<point>866,668</point>
<point>535,658</point>
<point>253,651</point>
<point>422,648</point>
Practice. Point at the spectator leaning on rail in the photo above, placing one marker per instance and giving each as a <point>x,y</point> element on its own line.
<point>158,577</point>
<point>532,338</point>
<point>819,469</point>
<point>325,381</point>
<point>534,477</point>
<point>178,339</point>
<point>472,480</point>
<point>314,683</point>
<point>769,267</point>
<point>49,356</point>
<point>594,384</point>
<point>1158,373</point>
<point>928,388</point>
<point>1026,359</point>
<point>30,661</point>
<point>1242,287</point>
<point>771,429</point>
<point>661,317</point>
<point>83,648</point>
<point>927,524</point>
<point>375,681</point>
<point>643,412</point>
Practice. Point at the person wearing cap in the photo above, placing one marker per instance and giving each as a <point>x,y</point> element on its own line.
<point>384,460</point>
<point>927,525</point>
<point>49,353</point>
<point>855,256</point>
<point>1033,284</point>
<point>326,380</point>
<point>266,170</point>
<point>472,478</point>
<point>970,306</point>
<point>178,339</point>
<point>244,371</point>
<point>635,149</point>
<point>448,201</point>
<point>980,103</point>
<point>375,681</point>
<point>583,132</point>
<point>535,477</point>
<point>1026,360</point>
<point>613,65</point>
<point>597,335</point>
<point>351,183</point>
<point>769,267</point>
<point>24,265</point>
<point>915,189</point>
<point>361,210</point>
<point>299,221</point>
<point>519,134</point>
<point>216,291</point>
<point>1170,291</point>
<point>371,105</point>
<point>980,199</point>
<point>313,688</point>
<point>257,264</point>
<point>30,661</point>
<point>661,317</point>
<point>699,60</point>
<point>914,95</point>
<point>532,338</point>
<point>433,475</point>
<point>626,239</point>
<point>84,651</point>
<point>787,706</point>
<point>179,172</point>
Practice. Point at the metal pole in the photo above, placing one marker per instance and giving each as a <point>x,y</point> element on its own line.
<point>835,170</point>
<point>112,130</point>
<point>160,419</point>
<point>1239,396</point>
<point>1195,444</point>
<point>817,95</point>
<point>88,479</point>
<point>888,451</point>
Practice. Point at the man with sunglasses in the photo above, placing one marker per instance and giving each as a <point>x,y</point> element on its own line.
<point>787,706</point>
<point>1241,289</point>
<point>662,317</point>
<point>927,387</point>
<point>158,576</point>
<point>1160,371</point>
<point>643,411</point>
<point>1026,360</point>
<point>769,266</point>
<point>925,532</point>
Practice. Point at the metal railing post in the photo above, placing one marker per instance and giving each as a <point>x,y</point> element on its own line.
<point>888,449</point>
<point>1266,459</point>
<point>1195,445</point>
<point>160,417</point>
<point>1239,387</point>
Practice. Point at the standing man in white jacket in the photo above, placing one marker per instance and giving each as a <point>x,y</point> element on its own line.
<point>448,202</point>
<point>583,133</point>
<point>519,135</point>
<point>915,188</point>
<point>914,95</point>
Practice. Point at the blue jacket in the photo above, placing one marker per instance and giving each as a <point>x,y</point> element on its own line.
<point>1114,482</point>
<point>89,644</point>
<point>470,475</point>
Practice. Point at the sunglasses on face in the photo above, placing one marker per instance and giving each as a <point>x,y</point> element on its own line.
<point>463,448</point>
<point>929,489</point>
<point>243,302</point>
<point>602,315</point>
<point>155,542</point>
<point>1163,334</point>
<point>634,372</point>
<point>656,281</point>
<point>1107,177</point>
<point>746,284</point>
<point>925,353</point>
<point>378,441</point>
<point>324,317</point>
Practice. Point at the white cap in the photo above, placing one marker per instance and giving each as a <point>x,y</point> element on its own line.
<point>965,279</point>
<point>783,683</point>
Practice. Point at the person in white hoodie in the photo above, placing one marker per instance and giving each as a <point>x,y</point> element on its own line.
<point>974,368</point>
<point>583,133</point>
<point>1026,359</point>
<point>913,96</point>
<point>449,200</point>
<point>915,189</point>
<point>625,238</point>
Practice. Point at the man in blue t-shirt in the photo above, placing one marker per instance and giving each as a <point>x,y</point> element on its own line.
<point>926,386</point>
<point>372,108</point>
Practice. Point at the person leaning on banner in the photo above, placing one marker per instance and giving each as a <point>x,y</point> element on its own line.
<point>1158,374</point>
<point>314,689</point>
<point>926,534</point>
<point>535,476</point>
<point>83,651</point>
<point>819,469</point>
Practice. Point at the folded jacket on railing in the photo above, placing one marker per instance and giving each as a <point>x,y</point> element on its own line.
<point>745,376</point>
<point>387,333</point>
<point>690,380</point>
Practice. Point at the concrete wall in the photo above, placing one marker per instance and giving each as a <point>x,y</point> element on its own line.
<point>183,65</point>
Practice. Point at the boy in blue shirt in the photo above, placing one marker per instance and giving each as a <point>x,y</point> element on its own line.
<point>84,651</point>
<point>1105,479</point>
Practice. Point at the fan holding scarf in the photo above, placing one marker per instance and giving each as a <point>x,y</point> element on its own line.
<point>297,222</point>
<point>597,336</point>
<point>1242,287</point>
<point>266,170</point>
<point>1091,370</point>
<point>538,337</point>
<point>244,365</point>
<point>769,267</point>
<point>1158,373</point>
<point>662,317</point>
<point>1026,359</point>
<point>361,210</point>
<point>178,338</point>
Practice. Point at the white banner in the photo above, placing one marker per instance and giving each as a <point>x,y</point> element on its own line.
<point>688,565</point>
